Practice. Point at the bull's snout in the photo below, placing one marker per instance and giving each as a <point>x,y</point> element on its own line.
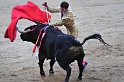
<point>22,36</point>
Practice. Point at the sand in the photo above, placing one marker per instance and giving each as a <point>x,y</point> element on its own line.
<point>92,16</point>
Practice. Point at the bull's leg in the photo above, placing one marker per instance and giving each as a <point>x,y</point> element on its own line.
<point>51,66</point>
<point>41,61</point>
<point>66,67</point>
<point>68,70</point>
<point>42,73</point>
<point>81,68</point>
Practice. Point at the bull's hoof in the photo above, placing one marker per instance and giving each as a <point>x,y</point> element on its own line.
<point>51,72</point>
<point>79,78</point>
<point>42,74</point>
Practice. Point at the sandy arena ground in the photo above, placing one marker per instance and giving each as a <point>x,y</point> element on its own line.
<point>92,16</point>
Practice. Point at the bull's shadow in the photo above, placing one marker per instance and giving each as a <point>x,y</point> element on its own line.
<point>57,46</point>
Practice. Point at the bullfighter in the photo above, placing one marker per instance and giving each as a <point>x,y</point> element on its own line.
<point>67,18</point>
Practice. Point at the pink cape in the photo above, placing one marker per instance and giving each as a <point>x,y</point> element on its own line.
<point>29,11</point>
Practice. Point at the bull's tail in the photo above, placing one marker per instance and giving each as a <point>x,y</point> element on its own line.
<point>95,36</point>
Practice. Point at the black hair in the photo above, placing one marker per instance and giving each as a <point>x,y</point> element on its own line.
<point>64,4</point>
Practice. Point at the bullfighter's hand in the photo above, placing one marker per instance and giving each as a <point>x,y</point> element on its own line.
<point>44,4</point>
<point>56,27</point>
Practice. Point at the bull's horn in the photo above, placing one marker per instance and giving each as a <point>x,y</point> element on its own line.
<point>28,30</point>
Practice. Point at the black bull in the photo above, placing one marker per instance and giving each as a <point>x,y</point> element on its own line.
<point>59,47</point>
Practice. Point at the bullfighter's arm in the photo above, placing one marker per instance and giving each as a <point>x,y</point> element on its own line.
<point>53,10</point>
<point>60,23</point>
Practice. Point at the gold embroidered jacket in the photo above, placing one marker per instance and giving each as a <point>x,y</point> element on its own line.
<point>67,20</point>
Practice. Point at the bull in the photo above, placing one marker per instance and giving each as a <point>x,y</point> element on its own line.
<point>57,46</point>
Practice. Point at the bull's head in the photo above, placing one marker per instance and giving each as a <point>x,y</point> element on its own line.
<point>31,33</point>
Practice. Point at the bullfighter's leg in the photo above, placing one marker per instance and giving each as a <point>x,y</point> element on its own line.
<point>52,62</point>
